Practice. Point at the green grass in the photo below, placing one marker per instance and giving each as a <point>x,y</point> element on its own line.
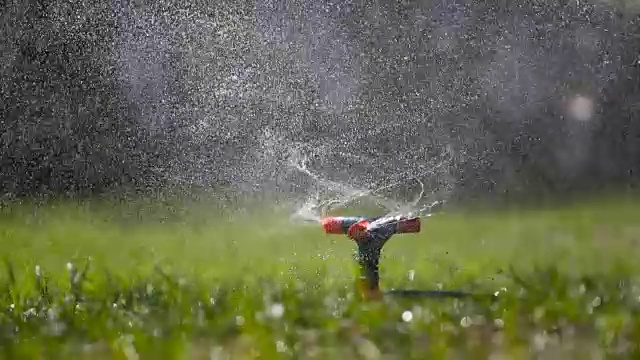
<point>149,281</point>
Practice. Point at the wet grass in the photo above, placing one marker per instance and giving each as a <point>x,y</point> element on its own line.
<point>136,282</point>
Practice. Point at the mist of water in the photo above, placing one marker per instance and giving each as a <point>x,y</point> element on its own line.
<point>250,119</point>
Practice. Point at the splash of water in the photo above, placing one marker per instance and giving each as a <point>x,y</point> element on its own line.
<point>333,195</point>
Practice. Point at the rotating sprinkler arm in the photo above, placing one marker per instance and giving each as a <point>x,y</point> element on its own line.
<point>370,236</point>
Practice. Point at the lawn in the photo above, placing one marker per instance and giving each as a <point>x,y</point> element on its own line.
<point>152,280</point>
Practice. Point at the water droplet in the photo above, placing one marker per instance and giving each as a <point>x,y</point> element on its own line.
<point>407,316</point>
<point>276,311</point>
<point>466,322</point>
<point>239,320</point>
<point>30,312</point>
<point>411,275</point>
<point>582,289</point>
<point>540,341</point>
<point>281,346</point>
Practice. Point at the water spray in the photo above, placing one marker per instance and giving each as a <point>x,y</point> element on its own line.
<point>369,233</point>
<point>319,209</point>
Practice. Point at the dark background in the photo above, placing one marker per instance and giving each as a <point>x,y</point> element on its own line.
<point>103,96</point>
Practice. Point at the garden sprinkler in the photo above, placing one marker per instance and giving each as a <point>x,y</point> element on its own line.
<point>370,235</point>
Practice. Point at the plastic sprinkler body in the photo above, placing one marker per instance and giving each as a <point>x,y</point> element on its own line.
<point>370,235</point>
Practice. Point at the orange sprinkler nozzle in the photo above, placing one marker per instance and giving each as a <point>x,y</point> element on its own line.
<point>332,225</point>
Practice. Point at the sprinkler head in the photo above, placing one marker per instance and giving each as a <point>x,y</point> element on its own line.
<point>338,224</point>
<point>332,225</point>
<point>358,232</point>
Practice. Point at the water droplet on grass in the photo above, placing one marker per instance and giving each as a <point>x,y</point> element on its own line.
<point>540,341</point>
<point>582,289</point>
<point>281,346</point>
<point>407,316</point>
<point>466,322</point>
<point>411,275</point>
<point>276,311</point>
